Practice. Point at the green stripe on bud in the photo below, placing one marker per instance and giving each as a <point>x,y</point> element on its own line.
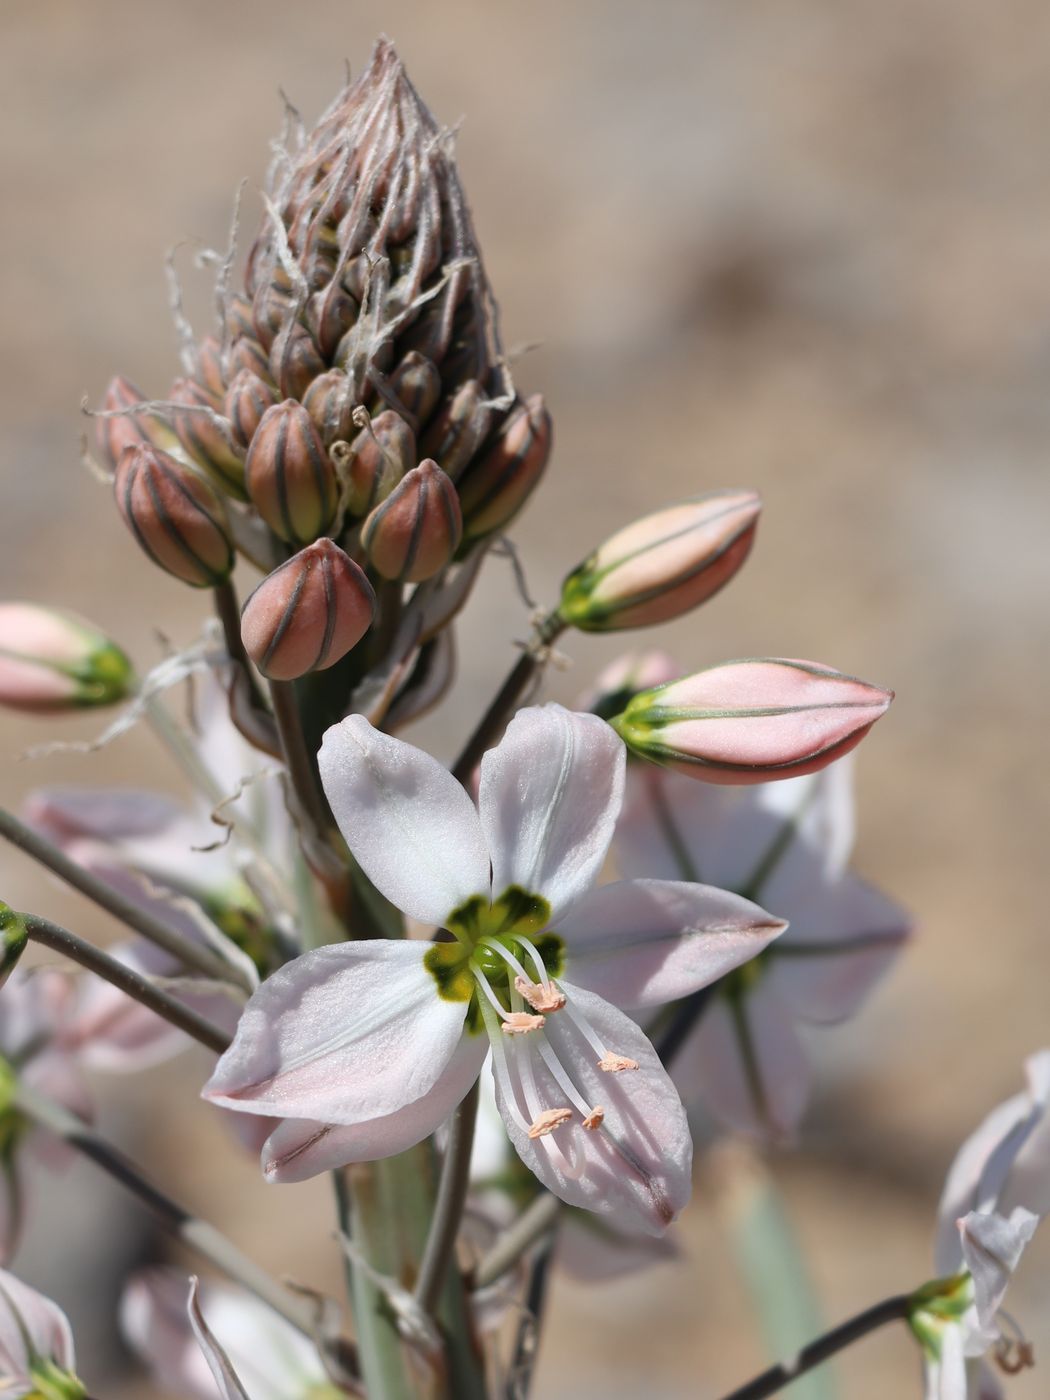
<point>13,939</point>
<point>51,660</point>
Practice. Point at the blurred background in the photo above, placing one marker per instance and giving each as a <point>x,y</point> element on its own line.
<point>782,244</point>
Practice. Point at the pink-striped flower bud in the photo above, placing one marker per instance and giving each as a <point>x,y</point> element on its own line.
<point>290,477</point>
<point>130,429</point>
<point>176,515</point>
<point>415,532</point>
<point>376,460</point>
<point>204,439</point>
<point>663,565</point>
<point>417,384</point>
<point>752,721</point>
<point>493,489</point>
<point>330,403</point>
<point>308,613</point>
<point>247,399</point>
<point>209,368</point>
<point>247,353</point>
<point>623,678</point>
<point>459,428</point>
<point>295,360</point>
<point>52,660</point>
<point>13,940</point>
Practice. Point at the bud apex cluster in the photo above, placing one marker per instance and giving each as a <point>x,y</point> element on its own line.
<point>290,477</point>
<point>307,614</point>
<point>415,532</point>
<point>176,515</point>
<point>663,565</point>
<point>13,939</point>
<point>752,721</point>
<point>494,488</point>
<point>52,660</point>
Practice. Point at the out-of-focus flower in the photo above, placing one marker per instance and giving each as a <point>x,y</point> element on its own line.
<point>308,613</point>
<point>53,661</point>
<point>382,1039</point>
<point>785,845</point>
<point>176,516</point>
<point>752,721</point>
<point>272,1359</point>
<point>663,565</point>
<point>495,486</point>
<point>997,1191</point>
<point>37,1360</point>
<point>35,1011</point>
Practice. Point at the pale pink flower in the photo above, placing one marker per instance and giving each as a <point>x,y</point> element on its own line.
<point>35,1011</point>
<point>265,1354</point>
<point>377,1041</point>
<point>36,1345</point>
<point>785,845</point>
<point>997,1191</point>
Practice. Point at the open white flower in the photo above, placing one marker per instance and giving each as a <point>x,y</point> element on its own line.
<point>997,1191</point>
<point>376,1042</point>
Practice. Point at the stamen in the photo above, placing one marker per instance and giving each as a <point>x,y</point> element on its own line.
<point>486,987</point>
<point>616,1064</point>
<point>548,1120</point>
<point>534,954</point>
<point>520,1023</point>
<point>508,957</point>
<point>543,996</point>
<point>595,1118</point>
<point>557,1069</point>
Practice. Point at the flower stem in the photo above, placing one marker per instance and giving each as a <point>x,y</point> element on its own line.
<point>196,1234</point>
<point>769,1382</point>
<point>531,1225</point>
<point>301,769</point>
<point>448,1206</point>
<point>193,955</point>
<point>139,988</point>
<point>499,712</point>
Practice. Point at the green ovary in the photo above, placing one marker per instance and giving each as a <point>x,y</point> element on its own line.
<point>479,927</point>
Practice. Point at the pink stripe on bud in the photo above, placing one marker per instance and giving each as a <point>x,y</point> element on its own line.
<point>176,515</point>
<point>290,477</point>
<point>663,565</point>
<point>752,721</point>
<point>415,532</point>
<point>307,614</point>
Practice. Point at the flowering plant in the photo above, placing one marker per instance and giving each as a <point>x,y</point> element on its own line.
<point>369,941</point>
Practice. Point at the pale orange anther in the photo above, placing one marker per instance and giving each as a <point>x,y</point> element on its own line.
<point>616,1064</point>
<point>548,1120</point>
<point>541,996</point>
<point>595,1118</point>
<point>520,1023</point>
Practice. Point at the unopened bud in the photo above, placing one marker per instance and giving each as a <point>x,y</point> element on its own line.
<point>459,429</point>
<point>204,439</point>
<point>622,679</point>
<point>129,429</point>
<point>52,660</point>
<point>662,565</point>
<point>13,939</point>
<point>495,488</point>
<point>752,721</point>
<point>209,369</point>
<point>239,317</point>
<point>295,360</point>
<point>308,613</point>
<point>247,399</point>
<point>176,515</point>
<point>330,403</point>
<point>376,460</point>
<point>417,384</point>
<point>331,314</point>
<point>272,309</point>
<point>290,477</point>
<point>247,353</point>
<point>415,532</point>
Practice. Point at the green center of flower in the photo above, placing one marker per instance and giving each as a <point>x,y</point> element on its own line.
<point>481,929</point>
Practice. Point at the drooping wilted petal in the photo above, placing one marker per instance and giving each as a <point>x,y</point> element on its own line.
<point>992,1246</point>
<point>747,1062</point>
<point>297,1150</point>
<point>409,824</point>
<point>634,1163</point>
<point>549,796</point>
<point>225,1377</point>
<point>842,941</point>
<point>644,942</point>
<point>344,1034</point>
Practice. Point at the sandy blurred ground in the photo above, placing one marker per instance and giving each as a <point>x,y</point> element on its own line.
<point>785,244</point>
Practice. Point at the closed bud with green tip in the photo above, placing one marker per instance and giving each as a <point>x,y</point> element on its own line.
<point>52,661</point>
<point>13,939</point>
